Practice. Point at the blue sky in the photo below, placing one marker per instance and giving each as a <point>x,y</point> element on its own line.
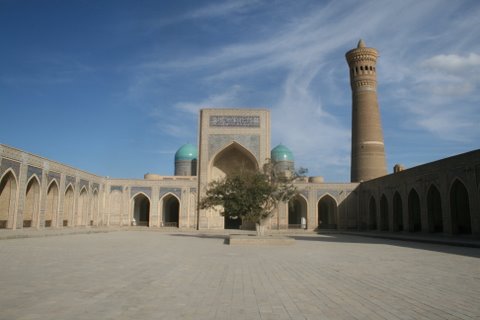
<point>114,87</point>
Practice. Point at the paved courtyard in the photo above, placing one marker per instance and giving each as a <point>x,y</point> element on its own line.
<point>154,275</point>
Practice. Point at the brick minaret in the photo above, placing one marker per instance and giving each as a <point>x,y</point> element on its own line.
<point>368,151</point>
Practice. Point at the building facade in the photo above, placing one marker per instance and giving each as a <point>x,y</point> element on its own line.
<point>438,197</point>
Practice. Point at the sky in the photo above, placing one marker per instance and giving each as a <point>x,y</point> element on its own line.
<point>114,87</point>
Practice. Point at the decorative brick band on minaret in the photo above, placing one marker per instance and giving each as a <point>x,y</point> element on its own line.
<point>368,150</point>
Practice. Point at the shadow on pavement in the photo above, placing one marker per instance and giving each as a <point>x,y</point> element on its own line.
<point>225,237</point>
<point>407,243</point>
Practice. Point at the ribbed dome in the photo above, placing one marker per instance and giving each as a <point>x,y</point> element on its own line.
<point>186,152</point>
<point>281,153</point>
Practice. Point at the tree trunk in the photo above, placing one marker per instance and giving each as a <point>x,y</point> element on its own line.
<point>260,228</point>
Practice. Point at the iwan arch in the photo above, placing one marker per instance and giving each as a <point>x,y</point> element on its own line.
<point>438,197</point>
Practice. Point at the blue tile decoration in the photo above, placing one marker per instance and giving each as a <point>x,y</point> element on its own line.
<point>118,188</point>
<point>175,191</point>
<point>333,193</point>
<point>34,171</point>
<point>53,175</point>
<point>217,142</point>
<point>145,190</point>
<point>83,183</point>
<point>235,121</point>
<point>69,179</point>
<point>7,163</point>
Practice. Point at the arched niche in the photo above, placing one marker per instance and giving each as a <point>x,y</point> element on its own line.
<point>141,210</point>
<point>327,213</point>
<point>372,214</point>
<point>233,158</point>
<point>397,212</point>
<point>94,216</point>
<point>8,197</point>
<point>414,212</point>
<point>384,221</point>
<point>297,213</point>
<point>51,207</point>
<point>68,206</point>
<point>170,211</point>
<point>82,213</point>
<point>32,202</point>
<point>434,209</point>
<point>460,208</point>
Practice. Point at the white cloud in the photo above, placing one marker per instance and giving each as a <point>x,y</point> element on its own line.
<point>229,98</point>
<point>300,53</point>
<point>453,63</point>
<point>221,9</point>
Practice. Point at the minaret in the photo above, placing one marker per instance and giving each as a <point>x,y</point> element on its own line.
<point>368,150</point>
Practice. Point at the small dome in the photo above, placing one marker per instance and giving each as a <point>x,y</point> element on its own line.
<point>281,153</point>
<point>186,152</point>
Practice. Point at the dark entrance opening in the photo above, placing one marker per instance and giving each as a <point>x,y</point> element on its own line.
<point>233,222</point>
<point>141,210</point>
<point>171,208</point>
<point>460,209</point>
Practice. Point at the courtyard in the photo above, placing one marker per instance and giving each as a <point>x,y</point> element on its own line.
<point>159,275</point>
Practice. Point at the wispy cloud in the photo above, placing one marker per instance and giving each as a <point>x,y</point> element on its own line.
<point>221,9</point>
<point>229,98</point>
<point>297,61</point>
<point>453,63</point>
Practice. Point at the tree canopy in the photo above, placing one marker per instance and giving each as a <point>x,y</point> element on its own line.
<point>251,195</point>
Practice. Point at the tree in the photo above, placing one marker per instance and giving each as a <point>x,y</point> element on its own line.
<point>251,195</point>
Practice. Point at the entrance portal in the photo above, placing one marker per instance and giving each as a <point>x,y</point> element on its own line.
<point>233,159</point>
<point>327,213</point>
<point>297,213</point>
<point>170,209</point>
<point>141,210</point>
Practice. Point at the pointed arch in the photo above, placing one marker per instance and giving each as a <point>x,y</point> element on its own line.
<point>384,221</point>
<point>68,205</point>
<point>170,210</point>
<point>460,208</point>
<point>414,211</point>
<point>372,214</point>
<point>434,209</point>
<point>327,212</point>
<point>8,198</point>
<point>51,208</point>
<point>82,212</point>
<point>141,209</point>
<point>94,218</point>
<point>297,212</point>
<point>232,158</point>
<point>31,209</point>
<point>397,212</point>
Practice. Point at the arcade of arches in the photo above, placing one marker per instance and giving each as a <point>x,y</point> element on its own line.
<point>444,201</point>
<point>425,212</point>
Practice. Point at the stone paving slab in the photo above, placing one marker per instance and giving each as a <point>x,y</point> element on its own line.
<point>457,240</point>
<point>253,240</point>
<point>156,275</point>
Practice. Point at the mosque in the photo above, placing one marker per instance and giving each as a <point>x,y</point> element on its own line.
<point>438,197</point>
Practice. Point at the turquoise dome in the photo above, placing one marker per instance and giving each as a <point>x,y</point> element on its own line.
<point>281,153</point>
<point>186,152</point>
